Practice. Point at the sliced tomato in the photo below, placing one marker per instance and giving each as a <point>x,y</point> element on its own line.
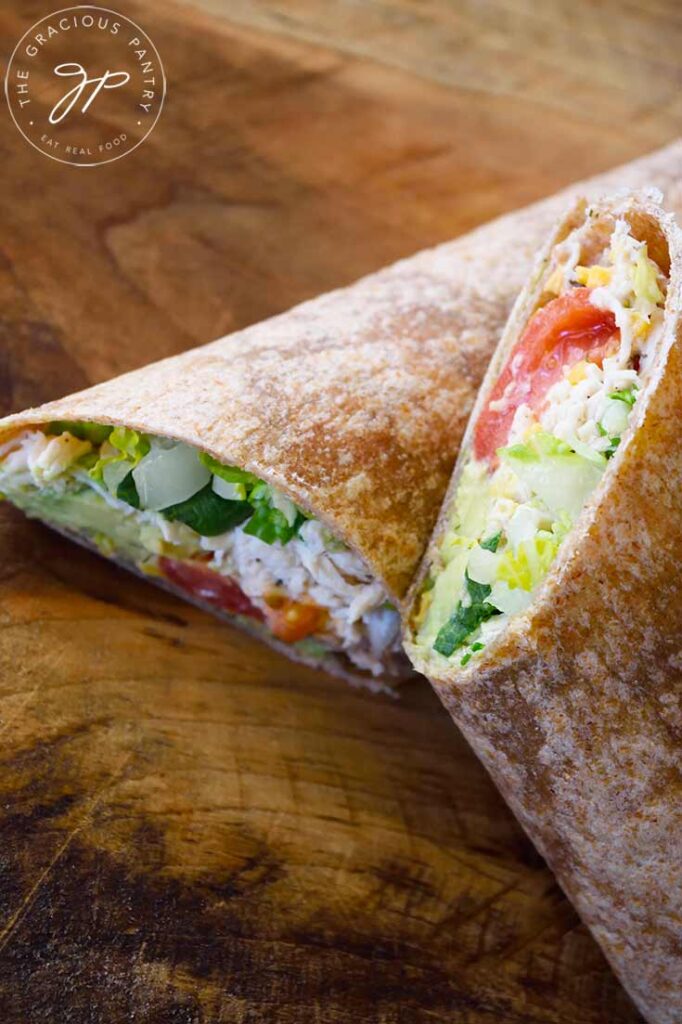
<point>294,620</point>
<point>201,582</point>
<point>563,332</point>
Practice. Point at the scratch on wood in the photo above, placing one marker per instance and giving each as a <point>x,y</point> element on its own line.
<point>97,797</point>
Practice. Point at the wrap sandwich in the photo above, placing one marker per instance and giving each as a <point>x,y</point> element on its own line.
<point>288,476</point>
<point>548,611</point>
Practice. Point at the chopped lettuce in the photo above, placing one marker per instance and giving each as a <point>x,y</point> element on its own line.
<point>540,445</point>
<point>560,477</point>
<point>476,591</point>
<point>269,523</point>
<point>127,490</point>
<point>614,441</point>
<point>615,419</point>
<point>465,619</point>
<point>130,445</point>
<point>627,395</point>
<point>231,474</point>
<point>275,517</point>
<point>470,653</point>
<point>460,625</point>
<point>225,489</point>
<point>95,433</point>
<point>492,543</point>
<point>527,565</point>
<point>208,514</point>
<point>126,464</point>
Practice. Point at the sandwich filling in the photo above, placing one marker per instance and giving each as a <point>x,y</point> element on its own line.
<point>215,532</point>
<point>543,439</point>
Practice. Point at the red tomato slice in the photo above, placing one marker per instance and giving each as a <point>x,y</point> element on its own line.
<point>563,332</point>
<point>293,620</point>
<point>209,586</point>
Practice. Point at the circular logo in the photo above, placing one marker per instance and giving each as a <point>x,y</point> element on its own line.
<point>85,86</point>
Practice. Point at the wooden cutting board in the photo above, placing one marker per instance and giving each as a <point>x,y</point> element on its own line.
<point>191,828</point>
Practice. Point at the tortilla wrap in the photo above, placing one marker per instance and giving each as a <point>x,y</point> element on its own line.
<point>574,707</point>
<point>352,405</point>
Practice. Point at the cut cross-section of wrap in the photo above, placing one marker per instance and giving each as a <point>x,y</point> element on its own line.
<point>216,532</point>
<point>287,476</point>
<point>548,611</point>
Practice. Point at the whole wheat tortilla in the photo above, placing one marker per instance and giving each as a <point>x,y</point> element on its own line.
<point>354,404</point>
<point>575,708</point>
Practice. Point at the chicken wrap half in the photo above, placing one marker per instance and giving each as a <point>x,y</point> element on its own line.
<point>286,476</point>
<point>548,612</point>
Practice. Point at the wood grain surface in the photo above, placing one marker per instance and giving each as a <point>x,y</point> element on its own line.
<point>191,828</point>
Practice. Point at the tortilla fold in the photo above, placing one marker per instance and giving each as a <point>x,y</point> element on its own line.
<point>574,708</point>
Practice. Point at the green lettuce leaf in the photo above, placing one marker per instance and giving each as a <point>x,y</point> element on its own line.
<point>477,591</point>
<point>492,543</point>
<point>232,474</point>
<point>554,472</point>
<point>460,625</point>
<point>267,522</point>
<point>95,433</point>
<point>470,653</point>
<point>613,442</point>
<point>269,525</point>
<point>132,446</point>
<point>539,445</point>
<point>526,566</point>
<point>465,620</point>
<point>207,513</point>
<point>127,491</point>
<point>627,395</point>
